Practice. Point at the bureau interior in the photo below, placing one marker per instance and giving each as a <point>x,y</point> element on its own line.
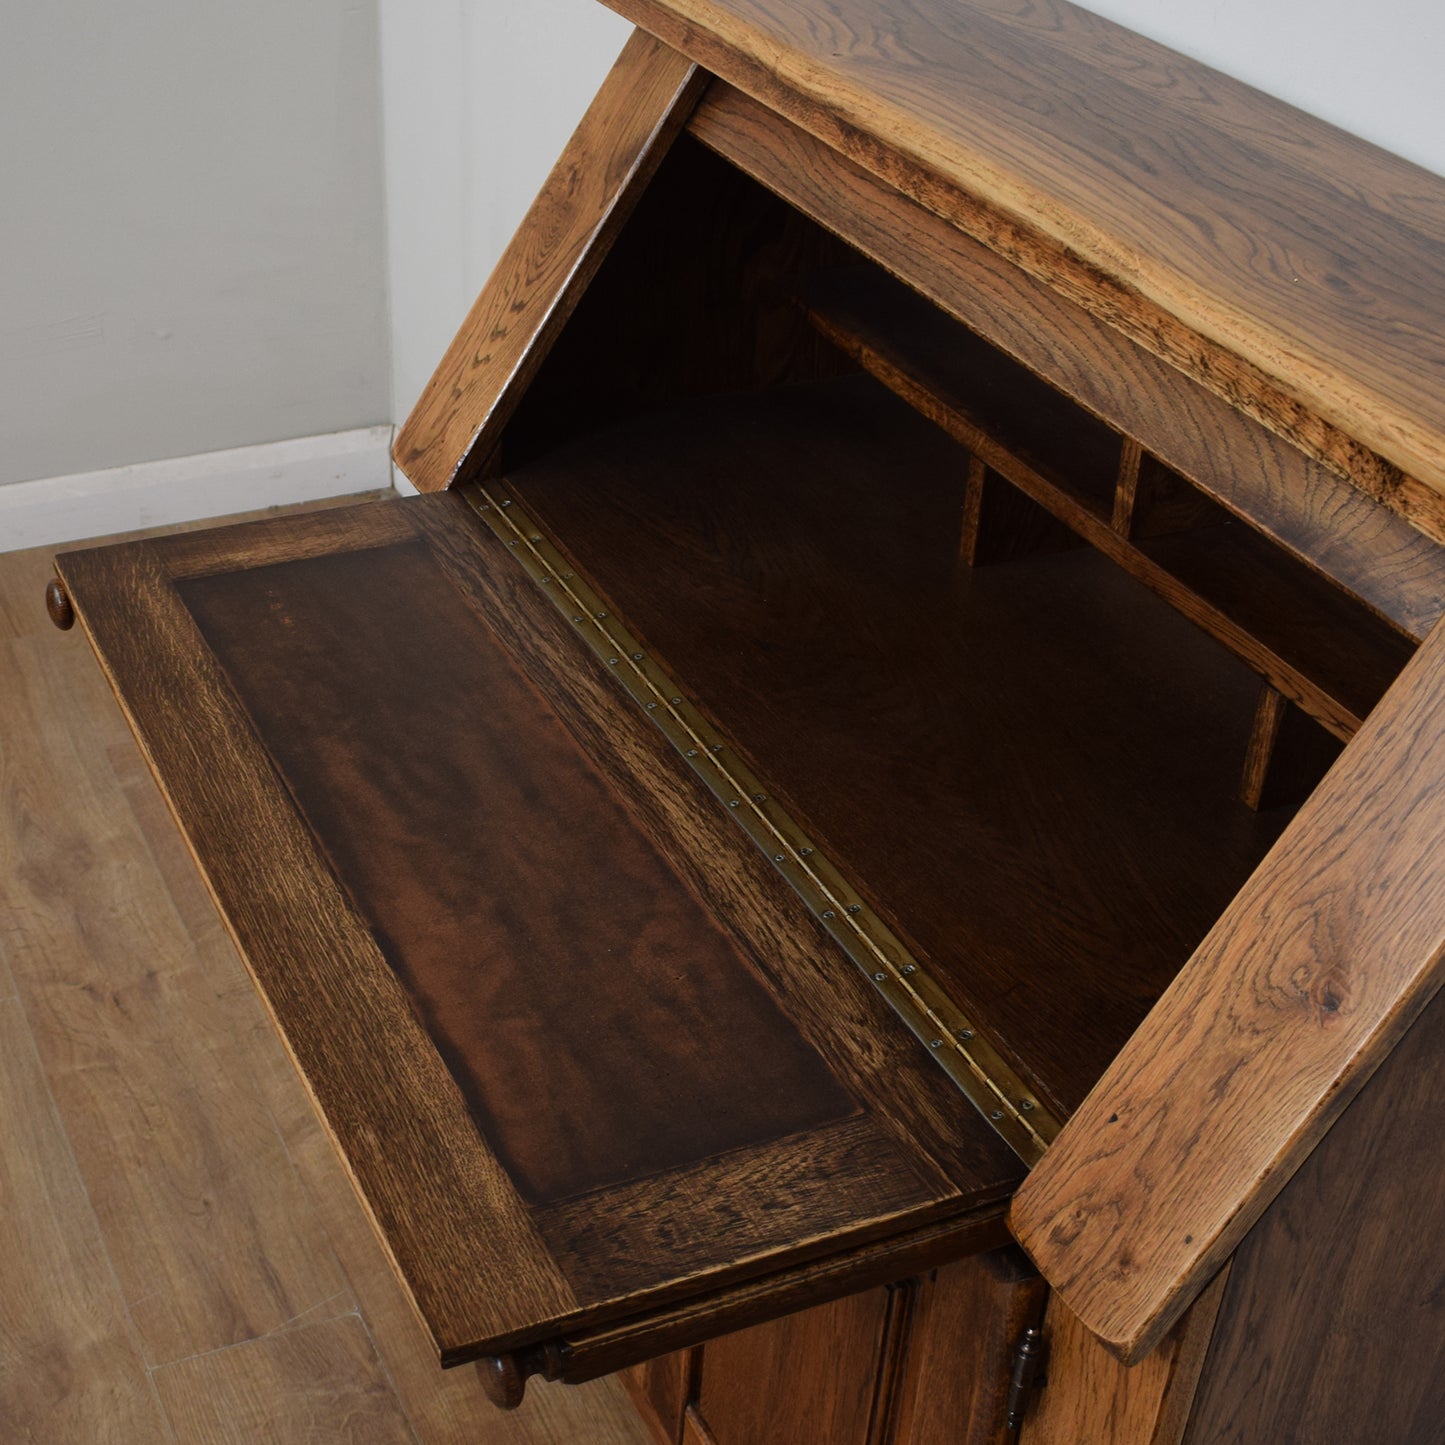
<point>1046,764</point>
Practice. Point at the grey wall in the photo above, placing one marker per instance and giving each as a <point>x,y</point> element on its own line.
<point>192,232</point>
<point>480,97</point>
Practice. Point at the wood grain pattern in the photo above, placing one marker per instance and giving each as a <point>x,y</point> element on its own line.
<point>73,1368</point>
<point>967,1321</point>
<point>1302,987</point>
<point>496,1272</point>
<point>933,728</point>
<point>807,1377</point>
<point>660,1389</point>
<point>570,1030</point>
<point>205,1256</point>
<point>1281,618</point>
<point>1332,1326</point>
<point>215,1046</point>
<point>1327,523</point>
<point>1288,754</point>
<point>549,263</point>
<point>282,903</point>
<point>320,1382</point>
<point>836,1009</point>
<point>584,1357</point>
<point>1293,269</point>
<point>694,1429</point>
<point>1091,1396</point>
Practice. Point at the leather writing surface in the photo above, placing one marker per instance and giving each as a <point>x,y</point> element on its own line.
<point>585,1003</point>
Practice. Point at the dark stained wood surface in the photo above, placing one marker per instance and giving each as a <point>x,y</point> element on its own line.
<point>1334,658</point>
<point>506,999</point>
<point>1031,771</point>
<point>966,1322</point>
<point>594,1037</point>
<point>1304,985</point>
<point>694,298</point>
<point>1295,270</point>
<point>583,1357</point>
<point>549,263</point>
<point>808,1377</point>
<point>1332,1326</point>
<point>900,337</point>
<point>1288,754</point>
<point>1367,549</point>
<point>660,1389</point>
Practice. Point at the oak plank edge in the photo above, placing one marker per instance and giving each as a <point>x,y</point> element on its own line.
<point>1310,977</point>
<point>1357,433</point>
<point>577,1359</point>
<point>586,199</point>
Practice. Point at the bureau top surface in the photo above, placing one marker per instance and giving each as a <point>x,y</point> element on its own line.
<point>1297,269</point>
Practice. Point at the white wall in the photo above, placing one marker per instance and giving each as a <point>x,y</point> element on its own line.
<point>192,228</point>
<point>480,96</point>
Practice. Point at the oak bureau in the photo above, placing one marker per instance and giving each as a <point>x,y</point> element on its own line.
<point>878,835</point>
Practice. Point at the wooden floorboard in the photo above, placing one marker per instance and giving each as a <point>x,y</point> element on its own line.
<point>299,1387</point>
<point>184,1256</point>
<point>70,1366</point>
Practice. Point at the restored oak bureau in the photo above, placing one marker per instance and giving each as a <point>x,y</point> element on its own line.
<point>878,838</point>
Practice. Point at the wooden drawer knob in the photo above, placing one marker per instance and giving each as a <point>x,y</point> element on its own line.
<point>503,1380</point>
<point>58,605</point>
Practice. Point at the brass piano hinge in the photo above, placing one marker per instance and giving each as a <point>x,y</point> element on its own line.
<point>953,1040</point>
<point>1026,1376</point>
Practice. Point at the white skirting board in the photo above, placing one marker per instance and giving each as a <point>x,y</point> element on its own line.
<point>183,489</point>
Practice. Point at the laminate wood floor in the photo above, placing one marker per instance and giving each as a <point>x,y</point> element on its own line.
<point>181,1256</point>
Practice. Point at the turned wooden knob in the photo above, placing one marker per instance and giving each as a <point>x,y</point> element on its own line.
<point>502,1380</point>
<point>59,605</point>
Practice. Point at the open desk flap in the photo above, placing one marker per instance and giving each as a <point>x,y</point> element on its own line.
<point>585,1054</point>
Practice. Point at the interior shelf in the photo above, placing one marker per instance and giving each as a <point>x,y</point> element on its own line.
<point>1305,636</point>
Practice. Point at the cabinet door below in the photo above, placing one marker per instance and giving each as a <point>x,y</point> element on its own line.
<point>967,1320</point>
<point>917,1363</point>
<point>814,1378</point>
